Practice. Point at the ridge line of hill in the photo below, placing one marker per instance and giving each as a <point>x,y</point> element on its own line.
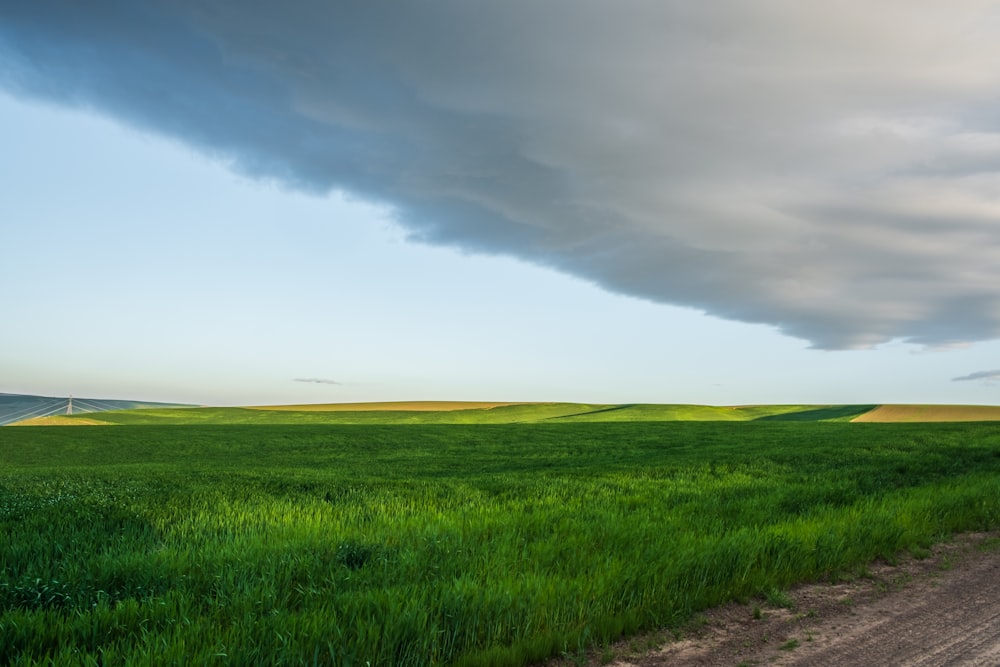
<point>472,412</point>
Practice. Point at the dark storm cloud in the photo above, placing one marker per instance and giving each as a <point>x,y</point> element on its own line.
<point>986,376</point>
<point>833,171</point>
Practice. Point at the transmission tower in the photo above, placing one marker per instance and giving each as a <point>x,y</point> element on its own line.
<point>69,405</point>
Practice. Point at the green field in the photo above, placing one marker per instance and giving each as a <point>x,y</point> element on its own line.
<point>483,544</point>
<point>518,413</point>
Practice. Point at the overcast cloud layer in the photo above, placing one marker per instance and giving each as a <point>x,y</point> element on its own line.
<point>829,169</point>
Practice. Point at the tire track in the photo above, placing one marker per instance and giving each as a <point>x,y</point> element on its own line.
<point>942,611</point>
<point>956,622</point>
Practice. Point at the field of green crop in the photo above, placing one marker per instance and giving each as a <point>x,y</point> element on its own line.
<point>524,413</point>
<point>446,544</point>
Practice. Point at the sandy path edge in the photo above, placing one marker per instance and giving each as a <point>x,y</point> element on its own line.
<point>943,609</point>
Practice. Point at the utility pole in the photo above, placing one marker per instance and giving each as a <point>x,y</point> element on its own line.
<point>69,405</point>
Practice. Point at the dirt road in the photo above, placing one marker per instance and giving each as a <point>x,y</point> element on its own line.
<point>943,609</point>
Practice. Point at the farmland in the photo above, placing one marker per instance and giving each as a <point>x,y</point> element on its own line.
<point>931,413</point>
<point>471,544</point>
<point>477,413</point>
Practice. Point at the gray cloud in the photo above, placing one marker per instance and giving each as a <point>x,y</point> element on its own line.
<point>986,376</point>
<point>833,172</point>
<point>316,381</point>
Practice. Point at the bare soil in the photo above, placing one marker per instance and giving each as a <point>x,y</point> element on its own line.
<point>931,413</point>
<point>941,609</point>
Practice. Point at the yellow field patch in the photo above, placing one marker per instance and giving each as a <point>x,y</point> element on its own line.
<point>931,413</point>
<point>400,406</point>
<point>60,420</point>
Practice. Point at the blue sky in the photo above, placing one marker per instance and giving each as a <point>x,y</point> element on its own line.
<point>201,241</point>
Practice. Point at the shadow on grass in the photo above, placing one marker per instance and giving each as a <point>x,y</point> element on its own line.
<point>831,413</point>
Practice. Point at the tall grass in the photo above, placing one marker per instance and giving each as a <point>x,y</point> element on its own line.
<point>426,545</point>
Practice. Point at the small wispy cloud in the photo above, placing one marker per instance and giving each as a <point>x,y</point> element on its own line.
<point>322,380</point>
<point>987,376</point>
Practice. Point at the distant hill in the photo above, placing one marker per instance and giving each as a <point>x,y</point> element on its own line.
<point>18,407</point>
<point>437,412</point>
<point>46,411</point>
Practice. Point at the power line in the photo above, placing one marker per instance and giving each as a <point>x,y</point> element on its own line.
<point>46,409</point>
<point>95,404</point>
<point>33,408</point>
<point>67,406</point>
<point>82,406</point>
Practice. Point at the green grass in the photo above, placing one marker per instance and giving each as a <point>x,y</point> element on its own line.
<point>790,645</point>
<point>508,414</point>
<point>446,544</point>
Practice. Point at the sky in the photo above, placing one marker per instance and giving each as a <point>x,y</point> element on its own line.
<point>760,201</point>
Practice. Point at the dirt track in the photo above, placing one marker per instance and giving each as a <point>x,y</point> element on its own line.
<point>936,611</point>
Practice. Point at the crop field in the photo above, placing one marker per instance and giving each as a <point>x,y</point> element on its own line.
<point>434,544</point>
<point>471,413</point>
<point>383,406</point>
<point>931,413</point>
<point>459,412</point>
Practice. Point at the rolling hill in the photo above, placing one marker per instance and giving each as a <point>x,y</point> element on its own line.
<point>425,412</point>
<point>45,411</point>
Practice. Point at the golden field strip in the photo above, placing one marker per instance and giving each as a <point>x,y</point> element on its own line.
<point>931,413</point>
<point>60,420</point>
